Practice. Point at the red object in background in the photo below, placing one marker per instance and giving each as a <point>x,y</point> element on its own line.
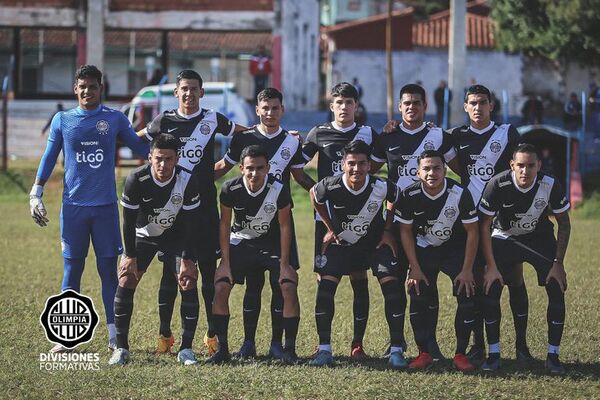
<point>260,64</point>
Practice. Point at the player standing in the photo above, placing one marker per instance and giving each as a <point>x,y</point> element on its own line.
<point>516,204</point>
<point>444,217</point>
<point>159,202</point>
<point>285,156</point>
<point>259,240</point>
<point>87,136</point>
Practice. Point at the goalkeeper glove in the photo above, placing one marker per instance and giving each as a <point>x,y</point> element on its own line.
<point>36,206</point>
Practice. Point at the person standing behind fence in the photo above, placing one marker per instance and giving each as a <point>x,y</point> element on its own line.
<point>260,69</point>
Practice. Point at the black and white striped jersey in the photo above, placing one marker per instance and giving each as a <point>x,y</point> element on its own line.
<point>483,153</point>
<point>520,211</point>
<point>400,149</point>
<point>439,219</point>
<point>357,215</point>
<point>255,214</point>
<point>197,136</point>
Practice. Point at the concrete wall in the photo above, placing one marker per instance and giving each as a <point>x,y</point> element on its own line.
<point>496,70</point>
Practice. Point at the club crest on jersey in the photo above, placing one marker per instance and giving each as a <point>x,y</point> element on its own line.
<point>205,129</point>
<point>450,212</point>
<point>372,207</point>
<point>428,145</point>
<point>495,146</point>
<point>269,208</point>
<point>176,199</point>
<point>320,261</point>
<point>102,127</point>
<point>539,204</point>
<point>286,154</point>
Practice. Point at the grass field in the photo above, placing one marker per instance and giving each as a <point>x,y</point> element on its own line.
<point>31,270</point>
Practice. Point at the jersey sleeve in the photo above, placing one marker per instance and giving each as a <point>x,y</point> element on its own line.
<point>489,203</point>
<point>392,192</point>
<point>153,127</point>
<point>224,125</point>
<point>284,199</point>
<point>235,149</point>
<point>225,197</point>
<point>558,199</point>
<point>53,148</point>
<point>131,194</point>
<point>513,140</point>
<point>447,147</point>
<point>378,153</point>
<point>403,210</point>
<point>298,160</point>
<point>467,208</point>
<point>191,196</point>
<point>321,191</point>
<point>310,147</point>
<point>130,138</point>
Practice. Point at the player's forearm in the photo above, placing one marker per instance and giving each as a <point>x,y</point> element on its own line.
<point>48,160</point>
<point>285,239</point>
<point>389,216</point>
<point>303,179</point>
<point>129,219</point>
<point>486,241</point>
<point>221,168</point>
<point>408,244</point>
<point>138,145</point>
<point>471,247</point>
<point>562,235</point>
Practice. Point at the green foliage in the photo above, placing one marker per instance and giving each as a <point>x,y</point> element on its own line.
<point>558,30</point>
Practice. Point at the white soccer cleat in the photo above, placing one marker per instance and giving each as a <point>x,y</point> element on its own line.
<point>59,348</point>
<point>187,357</point>
<point>112,344</point>
<point>119,357</point>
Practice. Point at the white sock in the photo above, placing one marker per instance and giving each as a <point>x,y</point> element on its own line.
<point>326,347</point>
<point>395,349</point>
<point>112,331</point>
<point>553,349</point>
<point>494,348</point>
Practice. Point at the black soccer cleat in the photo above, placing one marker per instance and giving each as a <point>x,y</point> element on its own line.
<point>523,354</point>
<point>219,357</point>
<point>476,353</point>
<point>554,366</point>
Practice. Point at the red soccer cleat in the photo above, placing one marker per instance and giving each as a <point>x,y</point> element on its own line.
<point>357,351</point>
<point>462,363</point>
<point>423,361</point>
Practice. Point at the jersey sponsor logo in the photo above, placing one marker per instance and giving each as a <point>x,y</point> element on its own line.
<point>405,170</point>
<point>171,130</point>
<point>360,230</point>
<point>464,146</point>
<point>428,145</point>
<point>90,143</point>
<point>484,172</point>
<point>94,160</point>
<point>102,127</point>
<point>285,153</point>
<point>143,178</point>
<point>235,187</point>
<point>409,157</point>
<point>495,146</point>
<point>502,184</point>
<point>205,129</point>
<point>477,157</point>
<point>269,208</point>
<point>187,139</point>
<point>165,221</point>
<point>194,154</point>
<point>336,167</point>
<point>527,225</point>
<point>394,148</point>
<point>450,212</point>
<point>261,227</point>
<point>539,204</point>
<point>372,207</point>
<point>414,192</point>
<point>328,144</point>
<point>442,233</point>
<point>176,198</point>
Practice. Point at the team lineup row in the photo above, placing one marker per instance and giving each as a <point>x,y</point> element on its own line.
<point>406,228</point>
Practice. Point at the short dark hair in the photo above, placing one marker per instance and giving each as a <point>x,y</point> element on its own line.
<point>357,147</point>
<point>430,154</point>
<point>478,89</point>
<point>268,94</point>
<point>344,89</point>
<point>89,71</point>
<point>413,88</point>
<point>526,148</point>
<point>165,141</point>
<point>253,151</point>
<point>188,74</point>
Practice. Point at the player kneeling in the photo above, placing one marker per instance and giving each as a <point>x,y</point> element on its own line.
<point>351,207</point>
<point>159,201</point>
<point>444,217</point>
<point>259,240</point>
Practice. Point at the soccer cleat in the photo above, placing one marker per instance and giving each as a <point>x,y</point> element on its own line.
<point>112,344</point>
<point>219,357</point>
<point>462,363</point>
<point>165,344</point>
<point>397,361</point>
<point>357,352</point>
<point>290,357</point>
<point>59,348</point>
<point>276,350</point>
<point>523,354</point>
<point>434,350</point>
<point>211,343</point>
<point>423,361</point>
<point>476,353</point>
<point>554,366</point>
<point>119,357</point>
<point>491,364</point>
<point>247,350</point>
<point>322,359</point>
<point>187,357</point>
<point>387,352</point>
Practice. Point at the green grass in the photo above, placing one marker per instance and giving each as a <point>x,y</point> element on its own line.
<point>31,270</point>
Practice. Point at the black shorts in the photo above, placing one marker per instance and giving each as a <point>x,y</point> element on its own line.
<point>447,258</point>
<point>246,258</point>
<point>146,250</point>
<point>385,264</point>
<point>537,250</point>
<point>207,235</point>
<point>340,260</point>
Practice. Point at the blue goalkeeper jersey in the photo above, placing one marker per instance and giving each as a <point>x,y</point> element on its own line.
<point>88,140</point>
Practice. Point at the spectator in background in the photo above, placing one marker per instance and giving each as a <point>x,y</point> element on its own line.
<point>438,96</point>
<point>496,109</point>
<point>59,108</point>
<point>260,69</point>
<point>155,78</point>
<point>594,101</point>
<point>532,110</point>
<point>358,87</point>
<point>547,162</point>
<point>572,113</point>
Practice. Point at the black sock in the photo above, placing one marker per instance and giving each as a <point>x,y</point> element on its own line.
<point>324,309</point>
<point>519,305</point>
<point>492,313</point>
<point>434,309</point>
<point>419,316</point>
<point>360,308</point>
<point>479,303</point>
<point>252,304</point>
<point>463,322</point>
<point>167,293</point>
<point>207,271</point>
<point>290,327</point>
<point>276,310</point>
<point>123,310</point>
<point>394,311</point>
<point>190,307</point>
<point>221,325</point>
<point>555,314</point>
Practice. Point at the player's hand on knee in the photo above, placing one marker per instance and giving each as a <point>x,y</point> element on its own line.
<point>387,239</point>
<point>465,281</point>
<point>223,273</point>
<point>128,268</point>
<point>188,274</point>
<point>329,238</point>
<point>287,274</point>
<point>36,205</point>
<point>415,277</point>
<point>558,273</point>
<point>491,275</point>
<point>391,126</point>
